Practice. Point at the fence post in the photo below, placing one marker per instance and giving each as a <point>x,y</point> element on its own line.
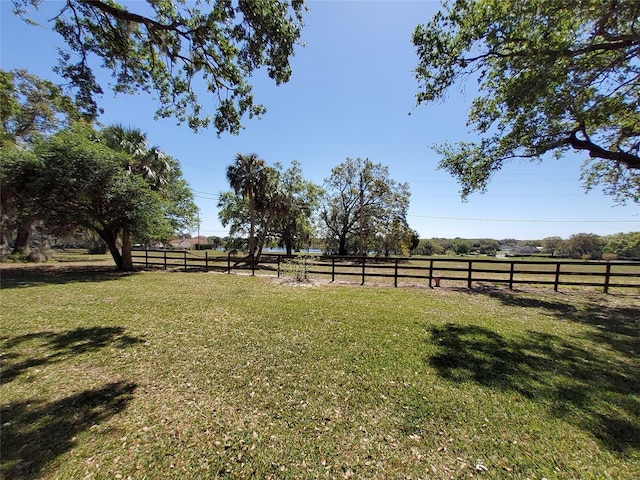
<point>430,272</point>
<point>206,260</point>
<point>253,265</point>
<point>279,257</point>
<point>470,274</point>
<point>557,279</point>
<point>363,269</point>
<point>165,259</point>
<point>395,274</point>
<point>511,270</point>
<point>607,274</point>
<point>333,269</point>
<point>229,263</point>
<point>146,258</point>
<point>185,260</point>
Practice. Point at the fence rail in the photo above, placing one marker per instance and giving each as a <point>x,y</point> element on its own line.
<point>434,271</point>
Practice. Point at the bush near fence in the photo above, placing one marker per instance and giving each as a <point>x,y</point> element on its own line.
<point>432,271</point>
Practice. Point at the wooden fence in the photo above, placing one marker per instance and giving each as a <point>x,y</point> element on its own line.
<point>432,271</point>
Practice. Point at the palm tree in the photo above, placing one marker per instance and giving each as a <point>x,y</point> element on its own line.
<point>272,205</point>
<point>148,162</point>
<point>247,176</point>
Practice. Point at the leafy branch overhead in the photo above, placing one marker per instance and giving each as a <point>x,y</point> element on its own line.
<point>174,48</point>
<point>553,75</point>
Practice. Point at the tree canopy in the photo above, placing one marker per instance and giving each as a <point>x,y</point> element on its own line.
<point>77,178</point>
<point>268,202</point>
<point>31,107</point>
<point>249,178</point>
<point>159,173</point>
<point>553,75</point>
<point>300,198</point>
<point>173,48</point>
<point>364,208</point>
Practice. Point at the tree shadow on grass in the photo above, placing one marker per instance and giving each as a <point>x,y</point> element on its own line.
<point>30,276</point>
<point>35,432</point>
<point>617,326</point>
<point>598,395</point>
<point>49,347</point>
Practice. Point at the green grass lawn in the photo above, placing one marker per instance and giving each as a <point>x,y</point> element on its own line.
<point>194,375</point>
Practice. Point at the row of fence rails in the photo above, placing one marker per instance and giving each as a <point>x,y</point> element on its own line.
<point>201,260</point>
<point>179,259</point>
<point>552,273</point>
<point>466,272</point>
<point>435,271</point>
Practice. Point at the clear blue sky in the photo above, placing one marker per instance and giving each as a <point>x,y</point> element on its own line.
<point>352,94</point>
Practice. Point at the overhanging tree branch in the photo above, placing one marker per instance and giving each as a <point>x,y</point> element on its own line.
<point>596,151</point>
<point>127,16</point>
<point>541,67</point>
<point>166,46</point>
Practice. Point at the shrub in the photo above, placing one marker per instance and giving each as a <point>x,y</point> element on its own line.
<point>297,267</point>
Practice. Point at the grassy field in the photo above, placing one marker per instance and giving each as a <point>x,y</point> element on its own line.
<point>204,375</point>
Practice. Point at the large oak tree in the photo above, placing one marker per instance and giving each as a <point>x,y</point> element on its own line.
<point>361,203</point>
<point>553,75</point>
<point>75,179</point>
<point>30,109</point>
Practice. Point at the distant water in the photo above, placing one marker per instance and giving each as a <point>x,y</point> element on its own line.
<point>282,250</point>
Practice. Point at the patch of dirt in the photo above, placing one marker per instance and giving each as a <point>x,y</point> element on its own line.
<point>292,282</point>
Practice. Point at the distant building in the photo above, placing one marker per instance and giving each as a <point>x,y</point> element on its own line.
<point>188,243</point>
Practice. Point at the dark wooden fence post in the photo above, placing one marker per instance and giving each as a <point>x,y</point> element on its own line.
<point>146,258</point>
<point>253,265</point>
<point>607,275</point>
<point>511,271</point>
<point>333,269</point>
<point>165,259</point>
<point>470,274</point>
<point>206,260</point>
<point>279,265</point>
<point>395,274</point>
<point>185,260</point>
<point>430,272</point>
<point>363,269</point>
<point>557,279</point>
<point>229,263</point>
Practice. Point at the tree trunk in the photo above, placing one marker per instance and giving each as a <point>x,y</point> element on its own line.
<point>263,239</point>
<point>127,259</point>
<point>342,245</point>
<point>288,240</point>
<point>21,244</point>
<point>110,239</point>
<point>252,225</point>
<point>361,217</point>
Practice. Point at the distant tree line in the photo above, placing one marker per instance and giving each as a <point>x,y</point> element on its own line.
<point>594,247</point>
<point>581,245</point>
